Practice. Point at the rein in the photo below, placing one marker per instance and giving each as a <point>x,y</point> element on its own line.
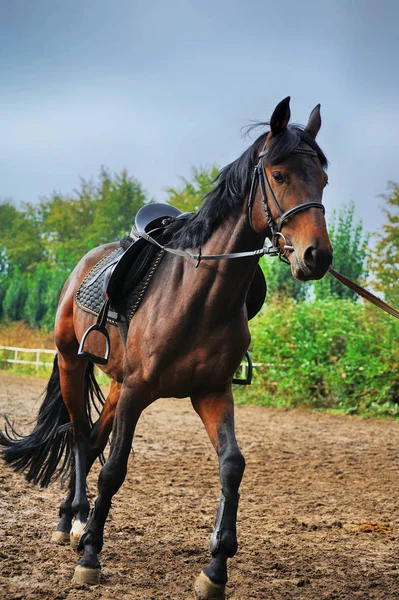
<point>273,251</point>
<point>259,178</point>
<point>360,291</point>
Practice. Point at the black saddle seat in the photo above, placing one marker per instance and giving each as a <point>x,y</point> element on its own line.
<point>152,216</point>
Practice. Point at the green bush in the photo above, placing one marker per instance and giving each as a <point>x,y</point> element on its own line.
<point>330,354</point>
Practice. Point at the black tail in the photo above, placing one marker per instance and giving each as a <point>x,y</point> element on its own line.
<point>40,452</point>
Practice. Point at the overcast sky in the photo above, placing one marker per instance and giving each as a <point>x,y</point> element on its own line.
<point>159,86</point>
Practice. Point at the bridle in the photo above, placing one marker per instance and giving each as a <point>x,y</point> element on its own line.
<point>259,178</point>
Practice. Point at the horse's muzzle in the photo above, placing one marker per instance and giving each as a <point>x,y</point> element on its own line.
<point>313,264</point>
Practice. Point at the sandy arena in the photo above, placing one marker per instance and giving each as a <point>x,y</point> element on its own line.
<point>318,516</point>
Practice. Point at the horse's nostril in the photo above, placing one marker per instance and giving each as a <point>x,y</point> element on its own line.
<point>317,259</point>
<point>310,257</point>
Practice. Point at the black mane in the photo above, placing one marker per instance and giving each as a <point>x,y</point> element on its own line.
<point>233,183</point>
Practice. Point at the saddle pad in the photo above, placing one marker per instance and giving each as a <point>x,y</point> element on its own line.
<point>90,297</point>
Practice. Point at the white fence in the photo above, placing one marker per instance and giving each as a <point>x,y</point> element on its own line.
<point>6,351</point>
<point>11,354</point>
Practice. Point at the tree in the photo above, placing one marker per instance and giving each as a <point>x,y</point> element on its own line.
<point>35,304</point>
<point>385,259</point>
<point>189,197</point>
<point>117,198</point>
<point>349,243</point>
<point>15,296</point>
<point>40,245</point>
<point>96,213</point>
<point>21,243</point>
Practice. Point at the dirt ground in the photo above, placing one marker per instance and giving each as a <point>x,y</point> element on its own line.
<point>318,516</point>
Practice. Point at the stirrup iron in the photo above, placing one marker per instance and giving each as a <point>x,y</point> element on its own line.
<point>248,379</point>
<point>100,326</point>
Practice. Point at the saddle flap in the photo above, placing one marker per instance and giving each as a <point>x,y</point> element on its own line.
<point>115,283</point>
<point>256,294</point>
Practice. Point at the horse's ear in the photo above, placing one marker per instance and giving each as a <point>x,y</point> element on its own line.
<point>314,122</point>
<point>281,116</point>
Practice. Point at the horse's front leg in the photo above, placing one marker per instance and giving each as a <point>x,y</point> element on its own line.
<point>217,414</point>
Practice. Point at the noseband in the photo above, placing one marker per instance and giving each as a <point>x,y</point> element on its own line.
<point>259,177</point>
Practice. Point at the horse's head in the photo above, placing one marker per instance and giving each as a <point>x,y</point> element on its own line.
<point>287,191</point>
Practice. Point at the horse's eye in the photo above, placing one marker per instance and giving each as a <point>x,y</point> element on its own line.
<point>278,177</point>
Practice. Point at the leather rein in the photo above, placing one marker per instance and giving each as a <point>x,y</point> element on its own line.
<point>259,178</point>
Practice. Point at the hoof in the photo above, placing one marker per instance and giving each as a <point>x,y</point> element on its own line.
<point>75,534</point>
<point>86,576</point>
<point>60,537</point>
<point>205,589</point>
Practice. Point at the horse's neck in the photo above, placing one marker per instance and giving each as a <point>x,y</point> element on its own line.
<point>228,280</point>
<point>234,235</point>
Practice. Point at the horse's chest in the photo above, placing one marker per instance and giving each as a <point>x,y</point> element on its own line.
<point>194,362</point>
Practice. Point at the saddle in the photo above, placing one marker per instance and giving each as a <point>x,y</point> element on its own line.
<point>114,289</point>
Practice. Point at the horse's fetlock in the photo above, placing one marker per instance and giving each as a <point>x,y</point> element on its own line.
<point>90,539</point>
<point>227,544</point>
<point>81,508</point>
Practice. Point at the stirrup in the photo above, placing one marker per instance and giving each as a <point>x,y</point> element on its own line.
<point>248,379</point>
<point>99,326</point>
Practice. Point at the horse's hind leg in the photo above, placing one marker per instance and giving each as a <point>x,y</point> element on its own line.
<point>217,414</point>
<point>98,440</point>
<point>73,384</point>
<point>111,477</point>
<point>103,426</point>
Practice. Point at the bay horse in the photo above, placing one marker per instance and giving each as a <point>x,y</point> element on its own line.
<point>187,340</point>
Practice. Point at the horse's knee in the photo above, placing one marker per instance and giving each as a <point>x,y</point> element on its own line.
<point>232,466</point>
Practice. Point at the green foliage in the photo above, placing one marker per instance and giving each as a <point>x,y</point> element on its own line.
<point>95,214</point>
<point>332,353</point>
<point>15,296</point>
<point>350,253</point>
<point>35,306</point>
<point>21,243</point>
<point>385,259</point>
<point>189,196</point>
<point>280,281</point>
<point>41,244</point>
<point>117,200</point>
<point>3,290</point>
